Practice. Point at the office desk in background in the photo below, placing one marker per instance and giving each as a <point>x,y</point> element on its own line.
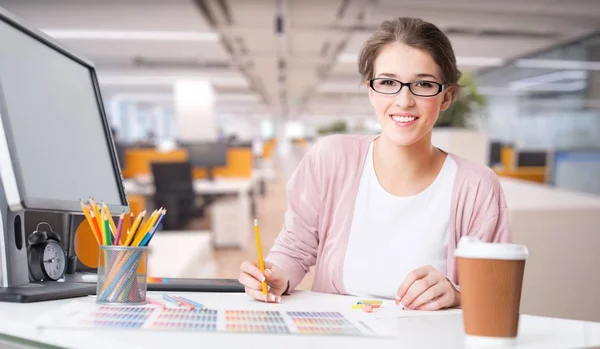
<point>182,254</point>
<point>433,330</point>
<point>244,206</point>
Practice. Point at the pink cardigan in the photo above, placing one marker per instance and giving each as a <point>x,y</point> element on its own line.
<point>321,194</point>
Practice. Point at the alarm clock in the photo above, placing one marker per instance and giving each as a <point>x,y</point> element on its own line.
<point>46,257</point>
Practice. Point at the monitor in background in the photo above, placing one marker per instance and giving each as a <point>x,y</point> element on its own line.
<point>207,155</point>
<point>530,158</point>
<point>121,150</point>
<point>241,144</point>
<point>495,154</point>
<point>56,147</point>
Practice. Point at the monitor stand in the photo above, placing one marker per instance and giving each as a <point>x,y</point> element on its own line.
<point>14,268</point>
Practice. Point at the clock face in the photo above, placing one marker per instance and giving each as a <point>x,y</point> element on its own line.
<point>54,260</point>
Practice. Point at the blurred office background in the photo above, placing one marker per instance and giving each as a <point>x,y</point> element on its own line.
<point>212,103</point>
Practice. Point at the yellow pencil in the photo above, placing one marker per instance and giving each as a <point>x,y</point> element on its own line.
<point>144,229</point>
<point>261,263</point>
<point>110,219</point>
<point>134,227</point>
<point>99,220</point>
<point>86,213</point>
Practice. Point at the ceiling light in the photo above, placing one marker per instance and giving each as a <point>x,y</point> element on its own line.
<point>546,79</point>
<point>81,34</point>
<point>120,80</point>
<point>562,87</point>
<point>479,61</point>
<point>557,64</point>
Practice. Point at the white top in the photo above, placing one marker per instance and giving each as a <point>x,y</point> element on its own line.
<point>391,236</point>
<point>413,329</point>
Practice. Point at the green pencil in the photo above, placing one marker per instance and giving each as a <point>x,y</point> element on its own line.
<point>107,232</point>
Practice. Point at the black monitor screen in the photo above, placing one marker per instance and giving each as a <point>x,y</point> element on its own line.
<point>495,153</point>
<point>207,154</point>
<point>531,158</point>
<point>56,130</point>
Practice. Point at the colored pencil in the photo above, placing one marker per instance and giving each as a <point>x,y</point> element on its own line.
<point>261,262</point>
<point>155,228</point>
<point>143,229</point>
<point>119,228</point>
<point>194,303</point>
<point>99,219</point>
<point>185,303</point>
<point>155,302</point>
<point>134,227</point>
<point>146,228</point>
<point>110,218</point>
<point>107,234</point>
<point>177,301</point>
<point>88,217</point>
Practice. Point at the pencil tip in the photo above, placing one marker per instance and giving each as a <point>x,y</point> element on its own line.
<point>255,221</point>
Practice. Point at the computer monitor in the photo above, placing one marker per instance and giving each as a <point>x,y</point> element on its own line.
<point>528,158</point>
<point>207,155</point>
<point>495,154</point>
<point>55,142</point>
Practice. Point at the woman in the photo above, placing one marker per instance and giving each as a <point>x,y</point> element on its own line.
<point>381,216</point>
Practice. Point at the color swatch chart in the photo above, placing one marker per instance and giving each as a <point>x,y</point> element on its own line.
<point>82,315</point>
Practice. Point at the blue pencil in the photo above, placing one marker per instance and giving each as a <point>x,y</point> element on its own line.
<point>170,299</point>
<point>157,224</point>
<point>196,304</point>
<point>147,238</point>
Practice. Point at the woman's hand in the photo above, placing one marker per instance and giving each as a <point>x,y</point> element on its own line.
<point>252,278</point>
<point>427,289</point>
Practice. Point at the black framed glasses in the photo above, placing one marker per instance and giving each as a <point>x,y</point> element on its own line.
<point>421,88</point>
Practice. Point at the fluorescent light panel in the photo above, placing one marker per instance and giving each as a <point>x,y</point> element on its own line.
<point>131,35</point>
<point>534,82</point>
<point>460,60</point>
<point>557,64</point>
<point>153,80</point>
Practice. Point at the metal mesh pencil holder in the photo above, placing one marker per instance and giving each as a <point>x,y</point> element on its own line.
<point>122,275</point>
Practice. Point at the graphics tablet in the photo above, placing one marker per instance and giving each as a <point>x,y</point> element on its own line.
<point>194,285</point>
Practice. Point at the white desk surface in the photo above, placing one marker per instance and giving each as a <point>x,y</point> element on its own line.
<point>201,186</point>
<point>415,330</point>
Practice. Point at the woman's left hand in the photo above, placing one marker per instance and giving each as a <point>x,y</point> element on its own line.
<point>427,289</point>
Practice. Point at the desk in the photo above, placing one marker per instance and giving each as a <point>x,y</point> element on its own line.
<point>436,330</point>
<point>182,254</point>
<point>201,186</point>
<point>241,188</point>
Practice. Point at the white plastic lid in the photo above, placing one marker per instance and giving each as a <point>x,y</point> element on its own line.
<point>472,247</point>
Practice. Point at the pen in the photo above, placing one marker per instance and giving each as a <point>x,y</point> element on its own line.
<point>261,263</point>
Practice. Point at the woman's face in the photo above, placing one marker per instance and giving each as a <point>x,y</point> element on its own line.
<point>404,117</point>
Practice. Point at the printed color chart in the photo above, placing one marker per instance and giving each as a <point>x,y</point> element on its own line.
<point>79,314</point>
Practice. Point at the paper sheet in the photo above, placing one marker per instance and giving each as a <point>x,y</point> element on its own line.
<point>87,315</point>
